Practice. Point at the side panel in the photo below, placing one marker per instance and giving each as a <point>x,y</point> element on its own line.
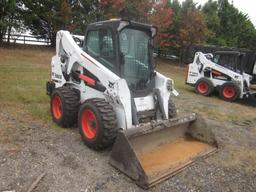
<point>122,103</point>
<point>89,93</point>
<point>161,84</point>
<point>56,72</point>
<point>193,73</point>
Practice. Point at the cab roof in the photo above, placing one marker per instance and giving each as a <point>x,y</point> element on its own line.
<point>236,53</point>
<point>119,24</point>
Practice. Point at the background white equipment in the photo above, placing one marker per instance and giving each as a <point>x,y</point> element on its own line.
<point>222,72</point>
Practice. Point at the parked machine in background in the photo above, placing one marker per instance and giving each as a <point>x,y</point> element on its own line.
<point>223,72</point>
<point>106,83</point>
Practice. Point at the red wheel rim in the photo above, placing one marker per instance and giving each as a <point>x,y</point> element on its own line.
<point>202,87</point>
<point>89,124</point>
<point>229,92</point>
<point>57,107</point>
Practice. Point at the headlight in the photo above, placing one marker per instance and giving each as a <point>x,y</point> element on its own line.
<point>169,85</point>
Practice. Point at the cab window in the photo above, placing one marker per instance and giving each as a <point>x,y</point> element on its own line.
<point>100,45</point>
<point>231,62</point>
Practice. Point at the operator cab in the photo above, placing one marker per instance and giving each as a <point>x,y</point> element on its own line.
<point>125,48</point>
<point>232,60</point>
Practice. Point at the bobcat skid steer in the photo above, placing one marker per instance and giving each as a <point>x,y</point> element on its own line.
<point>223,72</point>
<point>106,83</point>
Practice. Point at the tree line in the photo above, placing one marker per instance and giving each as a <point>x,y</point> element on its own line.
<point>179,24</point>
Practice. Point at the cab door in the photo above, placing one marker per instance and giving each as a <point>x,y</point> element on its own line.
<point>100,44</point>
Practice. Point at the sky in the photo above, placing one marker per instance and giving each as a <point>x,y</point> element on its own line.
<point>246,6</point>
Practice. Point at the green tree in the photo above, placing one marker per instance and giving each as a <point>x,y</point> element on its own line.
<point>161,17</point>
<point>10,17</point>
<point>83,12</point>
<point>189,6</point>
<point>45,17</point>
<point>193,29</point>
<point>189,25</point>
<point>228,26</point>
<point>175,26</point>
<point>210,10</point>
<point>128,9</point>
<point>156,12</point>
<point>235,27</point>
<point>246,34</point>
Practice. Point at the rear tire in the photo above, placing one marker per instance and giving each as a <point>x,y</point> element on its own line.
<point>229,91</point>
<point>204,86</point>
<point>172,111</point>
<point>64,106</point>
<point>97,124</point>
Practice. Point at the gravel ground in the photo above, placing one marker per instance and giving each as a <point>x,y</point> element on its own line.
<point>30,148</point>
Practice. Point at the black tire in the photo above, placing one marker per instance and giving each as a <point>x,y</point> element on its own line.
<point>229,91</point>
<point>172,111</point>
<point>68,109</point>
<point>104,123</point>
<point>204,86</point>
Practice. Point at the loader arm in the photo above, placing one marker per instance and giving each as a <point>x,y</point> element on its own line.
<point>67,45</point>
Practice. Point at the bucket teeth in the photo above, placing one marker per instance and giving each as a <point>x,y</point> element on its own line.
<point>153,152</point>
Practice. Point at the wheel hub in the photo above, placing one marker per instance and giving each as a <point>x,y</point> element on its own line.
<point>203,87</point>
<point>93,124</point>
<point>57,107</point>
<point>229,92</point>
<point>89,124</point>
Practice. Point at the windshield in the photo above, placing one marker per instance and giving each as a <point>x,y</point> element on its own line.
<point>229,61</point>
<point>134,45</point>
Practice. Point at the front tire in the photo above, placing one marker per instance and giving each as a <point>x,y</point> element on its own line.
<point>204,86</point>
<point>229,91</point>
<point>64,106</point>
<point>97,124</point>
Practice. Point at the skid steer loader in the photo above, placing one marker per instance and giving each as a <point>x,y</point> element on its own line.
<point>106,83</point>
<point>223,72</point>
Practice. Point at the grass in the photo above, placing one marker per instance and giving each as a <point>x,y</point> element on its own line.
<point>23,74</point>
<point>174,72</point>
<point>240,155</point>
<point>25,70</point>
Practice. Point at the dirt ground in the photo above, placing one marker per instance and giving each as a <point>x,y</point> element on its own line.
<point>30,146</point>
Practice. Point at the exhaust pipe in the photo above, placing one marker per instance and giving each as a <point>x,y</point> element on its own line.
<point>156,151</point>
